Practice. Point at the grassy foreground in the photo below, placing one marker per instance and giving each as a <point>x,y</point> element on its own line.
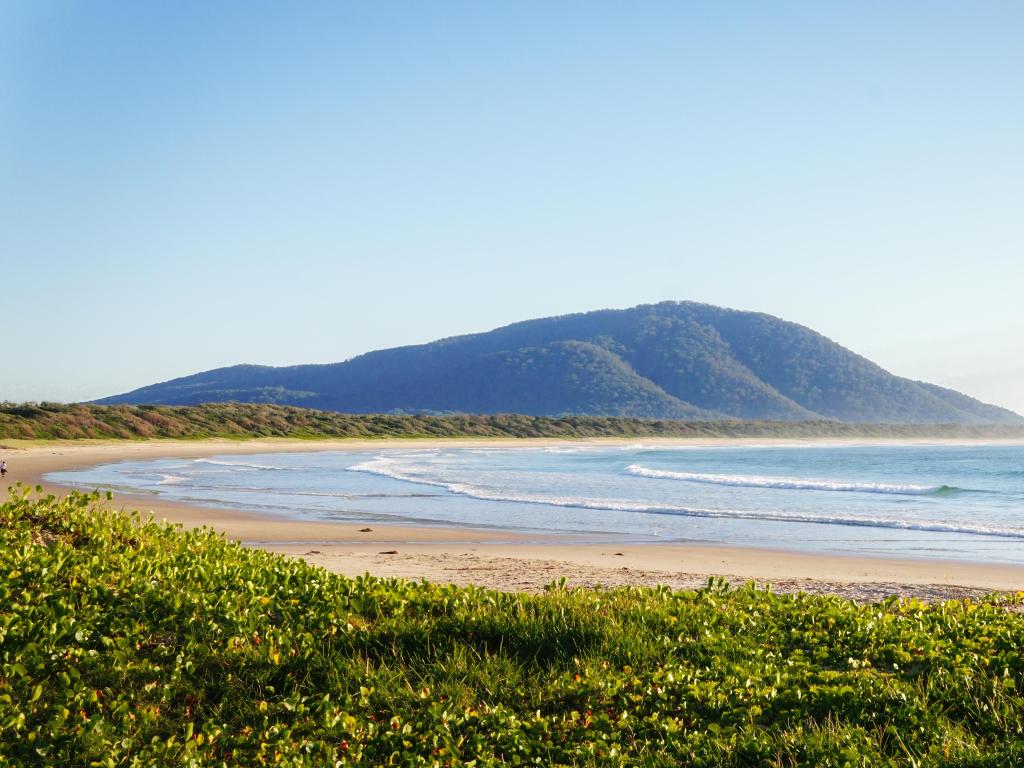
<point>138,644</point>
<point>57,421</point>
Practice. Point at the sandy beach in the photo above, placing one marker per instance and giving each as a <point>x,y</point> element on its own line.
<point>509,560</point>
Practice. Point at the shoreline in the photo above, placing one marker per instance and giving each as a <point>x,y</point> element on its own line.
<point>514,560</point>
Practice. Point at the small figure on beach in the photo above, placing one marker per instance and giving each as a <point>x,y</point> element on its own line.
<point>3,468</point>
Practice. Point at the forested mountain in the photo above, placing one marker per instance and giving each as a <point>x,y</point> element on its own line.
<point>678,360</point>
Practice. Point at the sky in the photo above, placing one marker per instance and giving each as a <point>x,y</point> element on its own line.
<point>190,185</point>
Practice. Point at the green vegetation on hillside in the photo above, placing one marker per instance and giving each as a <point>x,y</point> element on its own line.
<point>50,421</point>
<point>128,644</point>
<point>674,360</point>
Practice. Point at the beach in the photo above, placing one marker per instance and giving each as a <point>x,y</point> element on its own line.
<point>509,560</point>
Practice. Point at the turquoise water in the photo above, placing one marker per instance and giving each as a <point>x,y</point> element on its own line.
<point>956,502</point>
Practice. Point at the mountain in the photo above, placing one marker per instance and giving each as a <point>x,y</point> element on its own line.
<point>674,360</point>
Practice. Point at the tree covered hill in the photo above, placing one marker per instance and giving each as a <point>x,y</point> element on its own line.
<point>674,360</point>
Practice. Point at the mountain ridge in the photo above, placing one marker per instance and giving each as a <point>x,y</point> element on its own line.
<point>680,360</point>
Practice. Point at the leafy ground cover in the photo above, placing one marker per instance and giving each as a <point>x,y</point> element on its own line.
<point>57,421</point>
<point>130,643</point>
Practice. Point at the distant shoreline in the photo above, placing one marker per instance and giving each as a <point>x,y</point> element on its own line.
<point>514,560</point>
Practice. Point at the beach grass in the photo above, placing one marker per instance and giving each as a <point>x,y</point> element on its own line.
<point>126,642</point>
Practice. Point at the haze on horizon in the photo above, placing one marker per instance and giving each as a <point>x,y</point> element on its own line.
<point>189,186</point>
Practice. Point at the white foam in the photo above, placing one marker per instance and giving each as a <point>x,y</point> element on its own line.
<point>387,468</point>
<point>171,480</point>
<point>239,464</point>
<point>794,483</point>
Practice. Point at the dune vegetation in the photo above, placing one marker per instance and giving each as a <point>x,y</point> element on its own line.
<point>57,421</point>
<point>131,643</point>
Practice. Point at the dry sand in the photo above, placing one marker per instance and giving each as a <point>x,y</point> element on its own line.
<point>508,560</point>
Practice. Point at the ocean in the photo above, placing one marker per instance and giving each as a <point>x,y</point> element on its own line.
<point>961,502</point>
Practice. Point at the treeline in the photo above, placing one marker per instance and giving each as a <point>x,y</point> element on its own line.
<point>57,421</point>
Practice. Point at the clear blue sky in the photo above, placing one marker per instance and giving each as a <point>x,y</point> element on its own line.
<point>186,185</point>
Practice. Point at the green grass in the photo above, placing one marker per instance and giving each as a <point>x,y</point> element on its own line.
<point>56,421</point>
<point>139,644</point>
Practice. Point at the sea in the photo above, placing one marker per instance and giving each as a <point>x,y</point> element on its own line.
<point>956,502</point>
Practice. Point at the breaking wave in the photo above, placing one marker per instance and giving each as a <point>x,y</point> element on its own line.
<point>793,483</point>
<point>239,464</point>
<point>171,479</point>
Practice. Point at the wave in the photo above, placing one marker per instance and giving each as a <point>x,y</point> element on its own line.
<point>793,483</point>
<point>239,464</point>
<point>171,480</point>
<point>386,468</point>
